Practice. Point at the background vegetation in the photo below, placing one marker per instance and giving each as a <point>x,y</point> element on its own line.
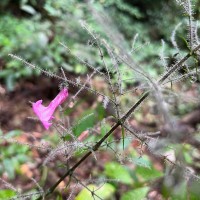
<point>32,29</point>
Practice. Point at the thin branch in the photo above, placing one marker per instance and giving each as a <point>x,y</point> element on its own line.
<point>58,77</point>
<point>118,123</point>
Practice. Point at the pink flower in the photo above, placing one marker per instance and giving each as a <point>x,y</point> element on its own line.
<point>45,114</point>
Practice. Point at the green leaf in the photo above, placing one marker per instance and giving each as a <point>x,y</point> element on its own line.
<point>188,157</point>
<point>13,133</point>
<point>22,158</point>
<point>28,9</point>
<point>105,128</point>
<point>100,112</point>
<point>10,82</point>
<point>185,42</point>
<point>116,171</point>
<point>137,194</point>
<point>193,190</point>
<point>80,69</point>
<point>104,192</point>
<point>142,161</point>
<point>148,173</point>
<point>5,194</point>
<point>16,149</point>
<point>59,197</point>
<point>52,11</point>
<point>83,124</point>
<point>9,168</point>
<point>180,193</point>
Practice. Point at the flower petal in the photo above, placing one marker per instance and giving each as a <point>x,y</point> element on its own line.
<point>45,114</point>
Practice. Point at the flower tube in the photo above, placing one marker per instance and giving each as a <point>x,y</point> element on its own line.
<point>45,114</point>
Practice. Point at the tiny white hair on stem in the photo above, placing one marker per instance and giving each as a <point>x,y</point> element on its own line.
<point>173,37</point>
<point>162,55</point>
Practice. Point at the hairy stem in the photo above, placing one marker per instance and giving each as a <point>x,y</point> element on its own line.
<point>118,123</point>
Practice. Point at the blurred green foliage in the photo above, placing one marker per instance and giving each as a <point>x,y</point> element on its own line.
<point>6,194</point>
<point>33,29</point>
<point>119,172</point>
<point>136,194</point>
<point>12,156</point>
